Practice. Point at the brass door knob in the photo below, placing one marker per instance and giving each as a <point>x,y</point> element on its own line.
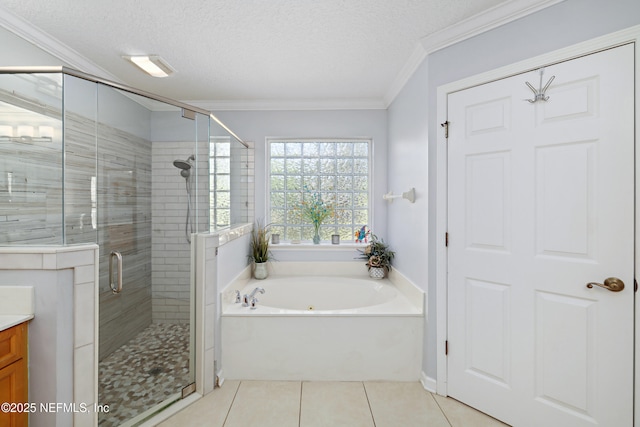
<point>612,284</point>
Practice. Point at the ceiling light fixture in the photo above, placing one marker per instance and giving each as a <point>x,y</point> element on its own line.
<point>153,65</point>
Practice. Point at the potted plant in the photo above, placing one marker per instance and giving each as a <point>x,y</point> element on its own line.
<point>378,256</point>
<point>260,250</point>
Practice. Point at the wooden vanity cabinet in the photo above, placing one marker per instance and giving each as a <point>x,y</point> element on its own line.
<point>13,374</point>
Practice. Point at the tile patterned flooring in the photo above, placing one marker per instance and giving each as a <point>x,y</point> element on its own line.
<point>327,404</point>
<point>150,368</point>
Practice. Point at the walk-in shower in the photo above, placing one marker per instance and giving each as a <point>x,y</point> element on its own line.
<point>185,172</point>
<point>99,168</point>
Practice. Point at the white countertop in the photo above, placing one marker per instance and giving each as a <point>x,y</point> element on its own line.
<point>16,305</point>
<point>9,320</point>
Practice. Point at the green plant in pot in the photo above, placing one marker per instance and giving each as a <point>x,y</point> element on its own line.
<point>378,256</point>
<point>260,250</point>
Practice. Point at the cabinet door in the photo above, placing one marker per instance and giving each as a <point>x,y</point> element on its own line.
<point>13,388</point>
<point>13,344</point>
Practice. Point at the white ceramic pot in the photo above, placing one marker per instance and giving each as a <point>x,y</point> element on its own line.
<point>376,272</point>
<point>260,271</point>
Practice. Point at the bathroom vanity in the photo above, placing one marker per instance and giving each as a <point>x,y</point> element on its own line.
<point>16,309</point>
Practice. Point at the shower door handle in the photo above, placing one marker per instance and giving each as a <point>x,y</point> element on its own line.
<point>116,286</point>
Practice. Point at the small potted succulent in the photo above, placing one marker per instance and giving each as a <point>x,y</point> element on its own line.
<point>378,256</point>
<point>260,250</point>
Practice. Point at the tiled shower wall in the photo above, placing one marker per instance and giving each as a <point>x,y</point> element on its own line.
<point>171,251</point>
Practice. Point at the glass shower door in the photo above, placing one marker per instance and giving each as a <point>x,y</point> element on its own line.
<point>146,348</point>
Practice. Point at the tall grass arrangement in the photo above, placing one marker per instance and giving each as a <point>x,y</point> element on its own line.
<point>260,243</point>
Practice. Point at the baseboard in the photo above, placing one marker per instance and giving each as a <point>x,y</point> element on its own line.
<point>429,384</point>
<point>219,379</point>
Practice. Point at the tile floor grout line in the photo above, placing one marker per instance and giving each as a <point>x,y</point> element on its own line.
<point>226,417</point>
<point>441,410</point>
<point>300,406</point>
<point>369,403</point>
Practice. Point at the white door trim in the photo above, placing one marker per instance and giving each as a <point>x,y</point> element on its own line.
<point>591,46</point>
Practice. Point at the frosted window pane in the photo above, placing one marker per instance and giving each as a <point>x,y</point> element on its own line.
<point>360,183</point>
<point>327,166</point>
<point>344,216</point>
<point>327,149</point>
<point>277,149</point>
<point>346,234</point>
<point>361,149</point>
<point>277,200</point>
<point>360,166</point>
<point>360,200</point>
<point>223,166</point>
<point>345,183</point>
<point>345,166</point>
<point>310,183</point>
<point>294,166</point>
<point>345,149</point>
<point>293,233</point>
<point>345,200</point>
<point>223,149</point>
<point>277,183</point>
<point>360,217</point>
<point>224,217</point>
<point>293,149</point>
<point>327,183</point>
<point>310,149</point>
<point>277,166</point>
<point>294,183</point>
<point>294,199</point>
<point>223,199</point>
<point>223,182</point>
<point>278,216</point>
<point>293,217</point>
<point>311,166</point>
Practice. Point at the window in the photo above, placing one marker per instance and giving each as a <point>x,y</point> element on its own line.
<point>220,182</point>
<point>336,169</point>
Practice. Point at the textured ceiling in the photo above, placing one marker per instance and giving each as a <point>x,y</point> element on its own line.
<point>251,50</point>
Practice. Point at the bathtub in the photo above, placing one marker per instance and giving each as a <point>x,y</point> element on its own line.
<point>338,328</point>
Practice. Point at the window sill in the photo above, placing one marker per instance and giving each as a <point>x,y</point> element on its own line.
<point>308,246</point>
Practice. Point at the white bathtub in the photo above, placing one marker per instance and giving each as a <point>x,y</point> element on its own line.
<point>323,328</point>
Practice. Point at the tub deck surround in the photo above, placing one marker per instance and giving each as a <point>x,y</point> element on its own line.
<point>343,342</point>
<point>16,305</point>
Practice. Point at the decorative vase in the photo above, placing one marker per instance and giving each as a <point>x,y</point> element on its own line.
<point>260,271</point>
<point>316,235</point>
<point>377,273</point>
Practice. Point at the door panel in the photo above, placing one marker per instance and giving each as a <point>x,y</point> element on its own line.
<point>540,204</point>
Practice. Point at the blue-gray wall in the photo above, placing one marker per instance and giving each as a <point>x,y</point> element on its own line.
<point>413,123</point>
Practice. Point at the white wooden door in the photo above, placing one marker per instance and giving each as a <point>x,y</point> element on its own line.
<point>541,203</point>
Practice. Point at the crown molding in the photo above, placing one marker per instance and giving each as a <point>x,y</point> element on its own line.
<point>293,104</point>
<point>477,24</point>
<point>34,35</point>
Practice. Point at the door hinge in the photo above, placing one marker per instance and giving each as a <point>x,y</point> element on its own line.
<point>446,348</point>
<point>446,239</point>
<point>635,285</point>
<point>445,125</point>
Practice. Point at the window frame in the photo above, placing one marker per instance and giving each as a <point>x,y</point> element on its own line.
<point>370,174</point>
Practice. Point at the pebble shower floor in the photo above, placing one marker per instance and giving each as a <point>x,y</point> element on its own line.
<point>144,372</point>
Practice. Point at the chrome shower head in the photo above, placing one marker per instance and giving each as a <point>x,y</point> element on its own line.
<point>185,165</point>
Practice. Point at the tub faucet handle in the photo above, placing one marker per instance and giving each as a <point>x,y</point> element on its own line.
<point>254,303</point>
<point>255,291</point>
<point>238,298</point>
<point>245,300</point>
